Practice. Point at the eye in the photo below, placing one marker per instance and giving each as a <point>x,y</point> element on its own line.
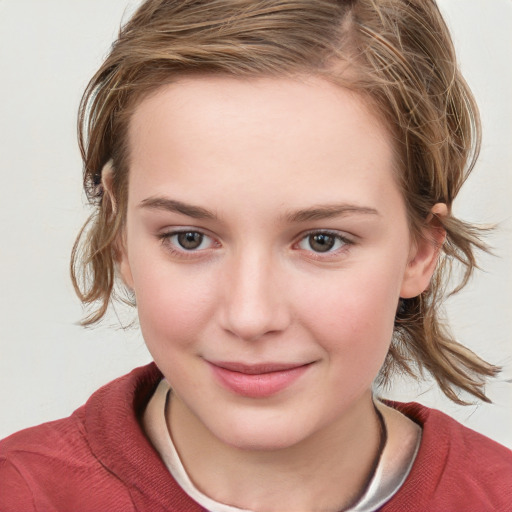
<point>323,242</point>
<point>187,241</point>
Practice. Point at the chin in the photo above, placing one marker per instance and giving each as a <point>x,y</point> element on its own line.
<point>262,435</point>
<point>266,442</point>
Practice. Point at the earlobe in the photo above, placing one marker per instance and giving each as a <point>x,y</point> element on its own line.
<point>424,254</point>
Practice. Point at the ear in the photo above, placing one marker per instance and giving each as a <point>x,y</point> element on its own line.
<point>107,184</point>
<point>121,255</point>
<point>124,268</point>
<point>424,254</point>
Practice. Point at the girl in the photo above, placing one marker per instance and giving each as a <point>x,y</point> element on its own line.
<point>274,185</point>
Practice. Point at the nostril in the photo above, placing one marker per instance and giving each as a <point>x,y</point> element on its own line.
<point>249,321</point>
<point>253,305</point>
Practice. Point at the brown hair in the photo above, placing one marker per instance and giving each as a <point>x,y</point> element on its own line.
<point>400,56</point>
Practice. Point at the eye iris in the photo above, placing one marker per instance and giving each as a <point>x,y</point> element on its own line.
<point>321,242</point>
<point>190,239</point>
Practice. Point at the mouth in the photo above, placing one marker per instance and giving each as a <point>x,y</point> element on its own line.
<point>257,380</point>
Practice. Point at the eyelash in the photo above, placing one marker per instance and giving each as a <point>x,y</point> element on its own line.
<point>343,240</point>
<point>174,247</point>
<point>178,250</point>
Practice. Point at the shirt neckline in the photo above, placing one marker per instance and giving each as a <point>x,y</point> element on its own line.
<point>394,465</point>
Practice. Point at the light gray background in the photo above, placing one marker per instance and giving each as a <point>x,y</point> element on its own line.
<point>48,364</point>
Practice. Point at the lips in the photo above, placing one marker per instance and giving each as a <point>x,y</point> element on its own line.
<point>257,380</point>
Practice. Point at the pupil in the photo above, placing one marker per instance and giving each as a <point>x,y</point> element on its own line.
<point>190,239</point>
<point>321,242</point>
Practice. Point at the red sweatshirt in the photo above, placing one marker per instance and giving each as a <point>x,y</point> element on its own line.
<point>99,459</point>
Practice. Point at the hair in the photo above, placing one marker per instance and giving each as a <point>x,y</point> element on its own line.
<point>398,54</point>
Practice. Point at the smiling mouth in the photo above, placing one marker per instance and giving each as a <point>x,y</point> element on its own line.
<point>258,380</point>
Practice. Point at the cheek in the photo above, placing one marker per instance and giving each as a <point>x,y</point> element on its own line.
<point>353,315</point>
<point>172,307</point>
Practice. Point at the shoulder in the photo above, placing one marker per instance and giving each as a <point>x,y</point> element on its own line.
<point>456,468</point>
<point>455,443</point>
<point>39,458</point>
<point>55,465</point>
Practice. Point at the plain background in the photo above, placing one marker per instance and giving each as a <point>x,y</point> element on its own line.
<point>49,365</point>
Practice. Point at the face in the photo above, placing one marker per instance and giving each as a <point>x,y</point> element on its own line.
<point>267,244</point>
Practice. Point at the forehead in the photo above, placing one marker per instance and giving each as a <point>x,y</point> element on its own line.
<point>282,136</point>
<point>221,99</point>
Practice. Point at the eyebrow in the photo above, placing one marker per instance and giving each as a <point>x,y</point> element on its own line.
<point>171,205</point>
<point>329,211</point>
<point>303,215</point>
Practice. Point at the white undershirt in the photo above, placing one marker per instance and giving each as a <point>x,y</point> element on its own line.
<point>394,464</point>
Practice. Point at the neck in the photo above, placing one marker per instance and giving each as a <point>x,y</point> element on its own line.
<point>327,471</point>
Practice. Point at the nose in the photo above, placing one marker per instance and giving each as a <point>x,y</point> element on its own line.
<point>254,303</point>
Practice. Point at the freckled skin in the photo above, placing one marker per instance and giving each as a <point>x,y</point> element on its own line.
<point>256,290</point>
